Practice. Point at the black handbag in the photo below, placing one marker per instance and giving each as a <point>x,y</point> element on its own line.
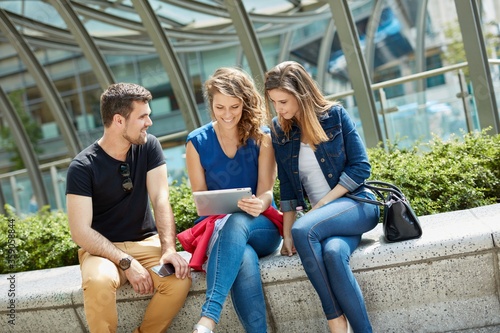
<point>400,222</point>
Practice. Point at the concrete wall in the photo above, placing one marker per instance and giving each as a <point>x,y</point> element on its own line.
<point>447,281</point>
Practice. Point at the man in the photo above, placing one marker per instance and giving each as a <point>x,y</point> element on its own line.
<point>108,185</point>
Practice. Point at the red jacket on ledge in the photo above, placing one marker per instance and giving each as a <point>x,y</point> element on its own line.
<point>195,240</point>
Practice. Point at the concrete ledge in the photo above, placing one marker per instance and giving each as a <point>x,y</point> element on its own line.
<point>447,281</point>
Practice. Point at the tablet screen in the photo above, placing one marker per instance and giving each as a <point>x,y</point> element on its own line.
<point>219,202</point>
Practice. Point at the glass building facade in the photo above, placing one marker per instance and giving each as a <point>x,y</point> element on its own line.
<point>405,70</point>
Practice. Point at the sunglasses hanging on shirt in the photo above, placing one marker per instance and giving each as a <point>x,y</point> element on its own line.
<point>127,185</point>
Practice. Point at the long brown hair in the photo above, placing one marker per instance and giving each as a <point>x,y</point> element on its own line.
<point>235,82</point>
<point>291,77</point>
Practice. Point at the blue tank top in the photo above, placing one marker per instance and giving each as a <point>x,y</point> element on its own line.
<point>222,172</point>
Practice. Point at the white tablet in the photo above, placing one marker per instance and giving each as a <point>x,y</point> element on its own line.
<point>218,202</point>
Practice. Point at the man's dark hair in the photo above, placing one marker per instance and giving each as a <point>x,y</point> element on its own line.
<point>118,99</point>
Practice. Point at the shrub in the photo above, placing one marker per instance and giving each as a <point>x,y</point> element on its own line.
<point>183,206</point>
<point>443,175</point>
<point>38,241</point>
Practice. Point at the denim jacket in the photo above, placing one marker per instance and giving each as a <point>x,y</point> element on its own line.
<point>343,158</point>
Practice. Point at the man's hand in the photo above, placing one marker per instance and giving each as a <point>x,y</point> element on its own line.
<point>182,269</point>
<point>139,278</point>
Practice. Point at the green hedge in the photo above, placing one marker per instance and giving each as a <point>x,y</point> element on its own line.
<point>443,176</point>
<point>37,241</point>
<point>439,176</point>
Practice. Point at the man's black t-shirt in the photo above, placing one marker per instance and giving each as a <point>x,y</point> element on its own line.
<point>117,215</point>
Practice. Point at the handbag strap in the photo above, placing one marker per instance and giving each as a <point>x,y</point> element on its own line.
<point>374,185</point>
<point>387,187</point>
<point>373,202</point>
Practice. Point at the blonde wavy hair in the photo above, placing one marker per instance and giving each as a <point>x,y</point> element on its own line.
<point>234,82</point>
<point>291,77</point>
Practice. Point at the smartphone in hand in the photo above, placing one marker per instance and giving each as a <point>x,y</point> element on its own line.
<point>164,270</point>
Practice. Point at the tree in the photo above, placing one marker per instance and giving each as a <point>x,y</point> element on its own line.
<point>455,50</point>
<point>31,127</point>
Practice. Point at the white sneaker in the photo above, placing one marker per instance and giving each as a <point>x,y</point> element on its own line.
<point>201,329</point>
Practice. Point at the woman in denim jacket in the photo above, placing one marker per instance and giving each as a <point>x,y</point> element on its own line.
<point>321,156</point>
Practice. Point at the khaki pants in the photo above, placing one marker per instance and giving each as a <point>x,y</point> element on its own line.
<point>101,278</point>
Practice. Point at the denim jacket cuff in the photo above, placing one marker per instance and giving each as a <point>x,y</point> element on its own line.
<point>288,205</point>
<point>348,182</point>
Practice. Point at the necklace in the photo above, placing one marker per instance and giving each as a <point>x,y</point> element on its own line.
<point>231,151</point>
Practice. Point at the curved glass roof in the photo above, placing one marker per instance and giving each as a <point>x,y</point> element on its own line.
<point>189,23</point>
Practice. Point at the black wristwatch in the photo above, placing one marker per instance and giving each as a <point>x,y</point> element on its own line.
<point>125,263</point>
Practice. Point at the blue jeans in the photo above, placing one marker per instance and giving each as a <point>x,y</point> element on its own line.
<point>234,265</point>
<point>325,238</point>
